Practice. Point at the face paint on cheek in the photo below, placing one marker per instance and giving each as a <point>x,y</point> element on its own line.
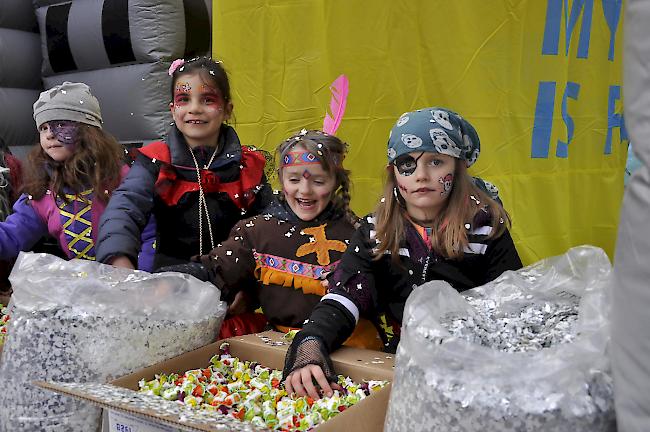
<point>446,182</point>
<point>402,188</point>
<point>66,132</point>
<point>212,98</point>
<point>181,93</point>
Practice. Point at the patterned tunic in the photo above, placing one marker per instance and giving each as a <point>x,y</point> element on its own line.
<point>281,263</point>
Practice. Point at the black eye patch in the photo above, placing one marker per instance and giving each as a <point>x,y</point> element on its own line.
<point>406,164</point>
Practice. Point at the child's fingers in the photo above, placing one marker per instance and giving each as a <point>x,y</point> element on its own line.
<point>295,384</point>
<point>320,378</point>
<point>301,382</point>
<point>307,381</point>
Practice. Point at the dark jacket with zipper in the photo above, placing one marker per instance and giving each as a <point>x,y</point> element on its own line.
<point>163,181</point>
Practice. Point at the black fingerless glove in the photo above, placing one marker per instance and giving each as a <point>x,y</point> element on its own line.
<point>306,351</point>
<point>329,325</point>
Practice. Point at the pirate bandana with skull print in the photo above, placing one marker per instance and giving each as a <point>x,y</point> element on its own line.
<point>435,130</point>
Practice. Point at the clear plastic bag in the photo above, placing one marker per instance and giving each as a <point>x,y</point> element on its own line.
<point>81,321</point>
<point>448,382</point>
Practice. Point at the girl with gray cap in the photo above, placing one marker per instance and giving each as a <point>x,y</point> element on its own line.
<point>434,223</point>
<point>70,176</point>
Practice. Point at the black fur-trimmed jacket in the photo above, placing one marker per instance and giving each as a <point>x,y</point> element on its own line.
<point>163,181</point>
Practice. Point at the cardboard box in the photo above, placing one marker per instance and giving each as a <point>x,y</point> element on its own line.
<point>268,349</point>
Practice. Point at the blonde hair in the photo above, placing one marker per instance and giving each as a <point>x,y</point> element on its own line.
<point>449,236</point>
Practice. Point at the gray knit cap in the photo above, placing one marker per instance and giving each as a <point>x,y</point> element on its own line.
<point>68,101</point>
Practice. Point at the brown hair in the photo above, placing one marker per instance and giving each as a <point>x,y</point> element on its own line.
<point>449,234</point>
<point>210,71</point>
<point>331,152</point>
<point>95,163</point>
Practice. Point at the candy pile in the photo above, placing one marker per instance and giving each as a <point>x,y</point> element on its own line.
<point>526,327</point>
<point>4,319</point>
<point>250,392</point>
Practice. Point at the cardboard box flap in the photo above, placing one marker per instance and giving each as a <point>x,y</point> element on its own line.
<point>149,407</point>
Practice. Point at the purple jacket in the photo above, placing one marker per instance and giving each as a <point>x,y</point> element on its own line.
<point>33,219</point>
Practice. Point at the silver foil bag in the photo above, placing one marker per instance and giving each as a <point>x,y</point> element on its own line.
<point>525,352</point>
<point>80,321</point>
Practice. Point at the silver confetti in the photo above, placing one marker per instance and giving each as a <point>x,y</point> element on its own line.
<point>78,338</point>
<point>518,354</point>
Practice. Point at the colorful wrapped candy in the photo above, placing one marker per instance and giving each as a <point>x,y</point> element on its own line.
<point>250,392</point>
<point>4,319</point>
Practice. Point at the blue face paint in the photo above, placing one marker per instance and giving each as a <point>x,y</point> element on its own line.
<point>65,131</point>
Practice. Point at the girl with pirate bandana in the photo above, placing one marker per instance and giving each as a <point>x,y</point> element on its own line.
<point>70,178</point>
<point>435,222</point>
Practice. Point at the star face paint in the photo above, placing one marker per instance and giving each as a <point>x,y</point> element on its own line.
<point>308,191</point>
<point>198,110</point>
<point>424,180</point>
<point>181,88</point>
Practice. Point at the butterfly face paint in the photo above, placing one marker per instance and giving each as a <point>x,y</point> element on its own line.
<point>59,138</point>
<point>65,131</point>
<point>208,96</point>
<point>198,110</point>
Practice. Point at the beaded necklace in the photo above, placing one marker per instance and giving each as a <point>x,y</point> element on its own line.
<point>203,205</point>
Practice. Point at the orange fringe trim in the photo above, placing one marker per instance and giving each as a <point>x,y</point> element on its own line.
<point>270,276</point>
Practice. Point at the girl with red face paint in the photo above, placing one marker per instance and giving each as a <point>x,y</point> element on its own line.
<point>69,177</point>
<point>435,222</point>
<point>198,183</point>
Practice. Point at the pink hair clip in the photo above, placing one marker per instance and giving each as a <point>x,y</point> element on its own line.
<point>175,65</point>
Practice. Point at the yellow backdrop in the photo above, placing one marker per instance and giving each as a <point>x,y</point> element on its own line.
<point>540,81</point>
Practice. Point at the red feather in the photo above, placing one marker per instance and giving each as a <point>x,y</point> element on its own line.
<point>340,89</point>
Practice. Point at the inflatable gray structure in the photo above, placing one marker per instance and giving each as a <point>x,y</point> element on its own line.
<point>120,48</point>
<point>20,77</point>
